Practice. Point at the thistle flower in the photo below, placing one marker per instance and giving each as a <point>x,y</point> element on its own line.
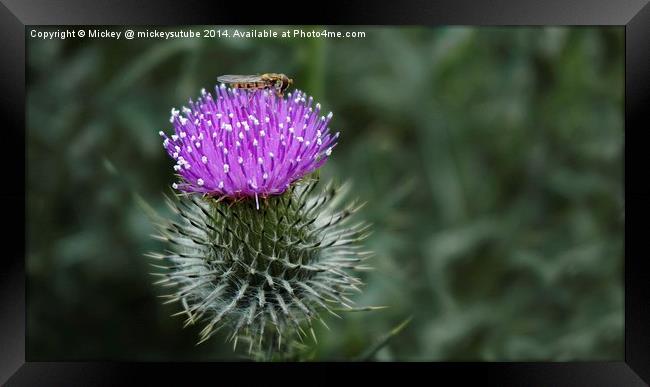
<point>263,271</point>
<point>244,144</point>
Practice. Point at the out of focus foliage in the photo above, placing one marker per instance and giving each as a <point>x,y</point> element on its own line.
<point>490,158</point>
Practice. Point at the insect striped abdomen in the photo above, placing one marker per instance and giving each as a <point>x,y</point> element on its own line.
<point>250,85</point>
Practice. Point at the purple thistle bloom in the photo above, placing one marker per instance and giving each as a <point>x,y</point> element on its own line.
<point>247,143</point>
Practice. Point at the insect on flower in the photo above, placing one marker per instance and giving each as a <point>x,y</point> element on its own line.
<point>247,144</point>
<point>279,82</point>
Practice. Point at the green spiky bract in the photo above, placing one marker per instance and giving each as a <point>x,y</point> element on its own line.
<point>263,274</point>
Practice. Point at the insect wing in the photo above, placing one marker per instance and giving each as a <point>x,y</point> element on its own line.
<point>239,78</point>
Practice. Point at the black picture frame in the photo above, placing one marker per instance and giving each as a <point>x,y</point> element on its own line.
<point>634,15</point>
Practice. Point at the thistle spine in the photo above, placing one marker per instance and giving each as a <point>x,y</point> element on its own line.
<point>265,274</point>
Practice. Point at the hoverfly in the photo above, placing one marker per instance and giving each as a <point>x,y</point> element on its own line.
<point>278,82</point>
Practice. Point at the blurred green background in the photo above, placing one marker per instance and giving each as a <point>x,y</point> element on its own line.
<point>490,158</point>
